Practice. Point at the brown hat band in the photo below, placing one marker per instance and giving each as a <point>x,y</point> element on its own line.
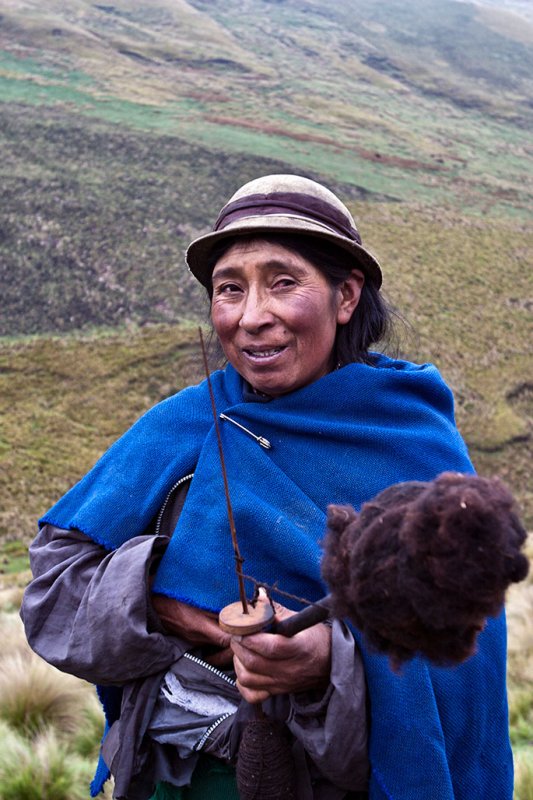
<point>288,202</point>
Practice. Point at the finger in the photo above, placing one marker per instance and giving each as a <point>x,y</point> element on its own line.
<point>224,658</point>
<point>249,678</point>
<point>256,688</point>
<point>265,647</point>
<point>253,696</point>
<point>282,612</point>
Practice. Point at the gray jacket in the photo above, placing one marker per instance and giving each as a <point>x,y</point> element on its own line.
<point>87,611</point>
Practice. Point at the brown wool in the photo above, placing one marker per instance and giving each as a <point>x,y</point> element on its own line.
<point>423,565</point>
<point>265,767</point>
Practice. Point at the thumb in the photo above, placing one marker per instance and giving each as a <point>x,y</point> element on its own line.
<point>280,612</point>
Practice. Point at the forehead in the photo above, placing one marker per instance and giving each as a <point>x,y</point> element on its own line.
<point>262,254</point>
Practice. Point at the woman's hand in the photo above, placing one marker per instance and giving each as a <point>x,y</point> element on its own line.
<point>193,624</point>
<point>268,664</point>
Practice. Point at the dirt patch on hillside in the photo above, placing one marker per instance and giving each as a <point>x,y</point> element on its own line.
<point>369,155</point>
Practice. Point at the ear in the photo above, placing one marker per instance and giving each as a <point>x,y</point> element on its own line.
<point>349,292</point>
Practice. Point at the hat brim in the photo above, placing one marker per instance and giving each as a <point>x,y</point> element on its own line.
<point>199,251</point>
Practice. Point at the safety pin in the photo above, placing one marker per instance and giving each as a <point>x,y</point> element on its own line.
<point>260,439</point>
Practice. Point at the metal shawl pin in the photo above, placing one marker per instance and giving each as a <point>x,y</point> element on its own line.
<point>259,439</point>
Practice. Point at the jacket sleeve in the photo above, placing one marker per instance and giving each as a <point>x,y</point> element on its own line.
<point>333,729</point>
<point>87,611</point>
<point>329,728</point>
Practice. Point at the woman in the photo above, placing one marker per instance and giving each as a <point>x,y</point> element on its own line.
<point>132,565</point>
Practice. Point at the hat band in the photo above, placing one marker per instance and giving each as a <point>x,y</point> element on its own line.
<point>310,208</point>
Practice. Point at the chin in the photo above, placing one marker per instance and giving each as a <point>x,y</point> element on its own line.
<point>271,388</point>
<point>272,391</point>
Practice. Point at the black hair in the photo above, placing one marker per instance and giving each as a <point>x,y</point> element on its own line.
<point>371,321</point>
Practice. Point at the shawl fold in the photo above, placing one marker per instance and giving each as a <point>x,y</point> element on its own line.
<point>341,439</point>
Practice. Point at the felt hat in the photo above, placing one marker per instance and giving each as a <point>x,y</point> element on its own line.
<point>283,204</point>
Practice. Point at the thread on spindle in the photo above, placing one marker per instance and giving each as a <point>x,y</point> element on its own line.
<point>265,766</point>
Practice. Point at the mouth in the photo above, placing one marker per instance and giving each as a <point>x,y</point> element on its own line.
<point>259,354</point>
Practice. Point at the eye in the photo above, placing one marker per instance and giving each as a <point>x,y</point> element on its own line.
<point>226,289</point>
<point>284,283</point>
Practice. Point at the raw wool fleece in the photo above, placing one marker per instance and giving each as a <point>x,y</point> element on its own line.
<point>423,565</point>
<point>434,733</point>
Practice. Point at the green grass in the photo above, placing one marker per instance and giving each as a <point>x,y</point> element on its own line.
<point>82,394</point>
<point>13,557</point>
<point>42,769</point>
<point>50,723</point>
<point>431,98</point>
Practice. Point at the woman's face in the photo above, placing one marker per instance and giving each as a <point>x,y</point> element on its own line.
<point>276,315</point>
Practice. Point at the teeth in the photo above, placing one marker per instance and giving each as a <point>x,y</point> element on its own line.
<point>264,353</point>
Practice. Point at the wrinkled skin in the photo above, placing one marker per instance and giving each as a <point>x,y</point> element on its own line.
<point>276,315</point>
<point>266,664</point>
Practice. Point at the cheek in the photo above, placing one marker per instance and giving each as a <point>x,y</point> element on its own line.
<point>223,322</point>
<point>314,318</point>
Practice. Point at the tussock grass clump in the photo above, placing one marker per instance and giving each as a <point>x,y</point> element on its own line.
<point>51,723</point>
<point>34,695</point>
<point>86,740</point>
<point>520,680</point>
<point>41,768</point>
<point>524,777</point>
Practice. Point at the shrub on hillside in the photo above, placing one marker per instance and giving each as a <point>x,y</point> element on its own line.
<point>34,695</point>
<point>41,768</point>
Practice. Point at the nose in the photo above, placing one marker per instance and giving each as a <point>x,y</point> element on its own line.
<point>256,312</point>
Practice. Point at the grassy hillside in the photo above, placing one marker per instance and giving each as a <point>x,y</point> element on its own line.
<point>95,219</point>
<point>428,99</point>
<point>124,126</point>
<point>65,399</point>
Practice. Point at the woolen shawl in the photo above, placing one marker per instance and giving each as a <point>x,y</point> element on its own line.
<point>434,733</point>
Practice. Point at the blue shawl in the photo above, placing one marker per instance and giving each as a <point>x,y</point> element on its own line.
<point>434,733</point>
